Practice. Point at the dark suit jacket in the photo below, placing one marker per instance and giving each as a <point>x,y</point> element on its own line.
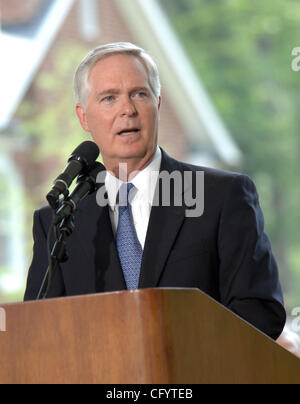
<point>225,252</point>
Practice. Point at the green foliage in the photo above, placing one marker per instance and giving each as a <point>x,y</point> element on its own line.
<point>53,123</point>
<point>242,51</point>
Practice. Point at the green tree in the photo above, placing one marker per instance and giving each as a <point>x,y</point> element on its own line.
<point>242,51</point>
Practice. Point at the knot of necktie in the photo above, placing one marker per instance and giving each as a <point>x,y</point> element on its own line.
<point>124,194</point>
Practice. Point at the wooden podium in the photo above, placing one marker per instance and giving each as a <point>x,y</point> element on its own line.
<point>158,336</point>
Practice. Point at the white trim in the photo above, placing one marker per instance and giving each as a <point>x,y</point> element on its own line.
<point>89,19</point>
<point>21,58</point>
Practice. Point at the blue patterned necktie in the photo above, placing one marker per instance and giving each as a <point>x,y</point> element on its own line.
<point>129,248</point>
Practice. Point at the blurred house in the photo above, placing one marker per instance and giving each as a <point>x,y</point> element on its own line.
<point>31,33</point>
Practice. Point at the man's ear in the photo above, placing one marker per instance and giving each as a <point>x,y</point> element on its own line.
<point>80,112</point>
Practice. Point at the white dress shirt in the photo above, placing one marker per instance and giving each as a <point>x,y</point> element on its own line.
<point>141,204</point>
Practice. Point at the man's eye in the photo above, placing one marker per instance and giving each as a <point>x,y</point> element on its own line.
<point>141,94</point>
<point>109,98</point>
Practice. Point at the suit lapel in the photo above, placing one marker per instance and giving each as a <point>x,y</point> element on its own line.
<point>164,224</point>
<point>94,254</point>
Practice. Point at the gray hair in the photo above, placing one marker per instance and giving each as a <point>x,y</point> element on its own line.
<point>81,79</point>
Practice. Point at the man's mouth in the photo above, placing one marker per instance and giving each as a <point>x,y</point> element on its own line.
<point>129,131</point>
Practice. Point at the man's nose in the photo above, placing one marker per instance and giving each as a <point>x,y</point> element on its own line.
<point>128,108</point>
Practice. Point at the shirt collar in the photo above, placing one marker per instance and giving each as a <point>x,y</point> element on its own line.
<point>145,182</point>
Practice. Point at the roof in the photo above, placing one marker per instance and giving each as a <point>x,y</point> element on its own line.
<point>16,12</point>
<point>28,44</point>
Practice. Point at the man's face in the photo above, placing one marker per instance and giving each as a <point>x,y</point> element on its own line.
<point>121,113</point>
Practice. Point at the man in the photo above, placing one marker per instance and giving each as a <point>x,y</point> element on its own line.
<point>224,251</point>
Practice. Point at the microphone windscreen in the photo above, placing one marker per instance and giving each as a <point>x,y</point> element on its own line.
<point>87,152</point>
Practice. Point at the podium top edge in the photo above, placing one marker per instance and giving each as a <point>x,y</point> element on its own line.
<point>137,292</point>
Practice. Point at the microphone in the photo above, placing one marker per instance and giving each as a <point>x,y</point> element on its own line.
<point>86,184</point>
<point>82,159</point>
